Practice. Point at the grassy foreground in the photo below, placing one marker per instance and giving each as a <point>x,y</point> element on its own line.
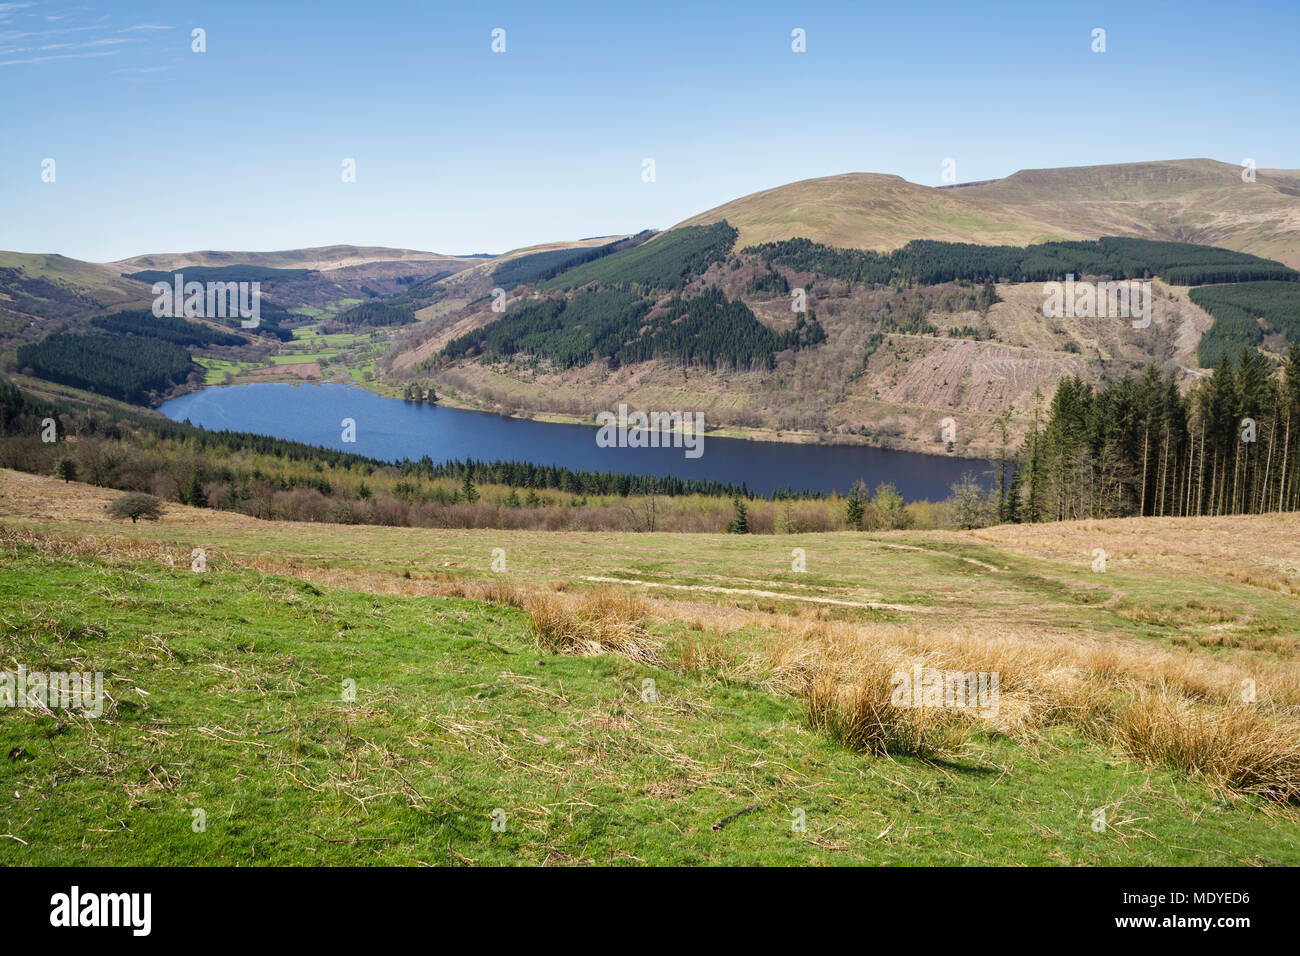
<point>228,694</point>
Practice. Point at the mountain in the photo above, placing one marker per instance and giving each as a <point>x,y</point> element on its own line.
<point>1188,200</point>
<point>40,293</point>
<point>874,211</point>
<point>898,338</point>
<point>318,258</point>
<point>47,293</point>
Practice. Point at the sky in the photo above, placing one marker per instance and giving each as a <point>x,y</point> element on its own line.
<point>460,149</point>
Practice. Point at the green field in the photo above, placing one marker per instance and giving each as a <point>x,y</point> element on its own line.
<point>354,351</point>
<point>228,694</point>
<point>234,706</point>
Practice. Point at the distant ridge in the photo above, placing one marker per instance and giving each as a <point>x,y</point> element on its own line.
<point>319,257</point>
<point>1186,200</point>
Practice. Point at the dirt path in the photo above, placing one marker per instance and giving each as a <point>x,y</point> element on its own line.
<point>754,592</point>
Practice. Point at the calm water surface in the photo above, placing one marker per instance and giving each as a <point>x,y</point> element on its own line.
<point>391,429</point>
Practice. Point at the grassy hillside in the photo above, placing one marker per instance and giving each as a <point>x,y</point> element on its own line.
<point>1189,200</point>
<point>318,258</point>
<point>45,293</point>
<point>874,211</point>
<point>1194,200</point>
<point>530,697</point>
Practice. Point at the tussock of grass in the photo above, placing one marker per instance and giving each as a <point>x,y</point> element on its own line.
<point>1161,707</point>
<point>493,591</point>
<point>706,654</point>
<point>1191,612</point>
<point>861,716</point>
<point>598,622</point>
<point>1238,748</point>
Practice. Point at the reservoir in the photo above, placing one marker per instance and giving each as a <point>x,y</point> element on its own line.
<point>391,429</point>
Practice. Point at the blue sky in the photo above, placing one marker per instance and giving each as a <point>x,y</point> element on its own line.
<point>461,150</point>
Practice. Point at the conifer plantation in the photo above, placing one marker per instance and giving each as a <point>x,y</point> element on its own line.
<point>1138,447</point>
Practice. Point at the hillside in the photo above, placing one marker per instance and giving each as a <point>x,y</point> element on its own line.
<point>874,211</point>
<point>443,312</point>
<point>616,698</point>
<point>906,343</point>
<point>42,294</point>
<point>894,341</point>
<point>877,363</point>
<point>1192,200</point>
<point>319,258</point>
<point>36,289</point>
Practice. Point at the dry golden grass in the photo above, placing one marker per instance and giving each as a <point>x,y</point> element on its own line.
<point>599,622</point>
<point>1192,612</point>
<point>1163,707</point>
<point>710,656</point>
<point>1239,748</point>
<point>848,691</point>
<point>1259,550</point>
<point>861,717</point>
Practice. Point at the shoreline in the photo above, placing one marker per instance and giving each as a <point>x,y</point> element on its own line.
<point>450,399</point>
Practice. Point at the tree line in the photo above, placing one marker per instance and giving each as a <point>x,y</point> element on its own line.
<point>541,266</point>
<point>377,313</point>
<point>668,262</point>
<point>1137,446</point>
<point>1238,310</point>
<point>930,262</point>
<point>518,474</point>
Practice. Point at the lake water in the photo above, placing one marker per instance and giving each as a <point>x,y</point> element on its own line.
<point>391,429</point>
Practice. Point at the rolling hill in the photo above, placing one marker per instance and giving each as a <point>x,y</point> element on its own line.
<point>890,350</point>
<point>873,211</point>
<point>1190,200</point>
<point>905,344</point>
<point>318,258</point>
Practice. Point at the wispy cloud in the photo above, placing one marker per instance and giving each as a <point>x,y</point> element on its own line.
<point>19,34</point>
<point>88,43</point>
<point>57,56</point>
<point>47,43</point>
<point>142,69</point>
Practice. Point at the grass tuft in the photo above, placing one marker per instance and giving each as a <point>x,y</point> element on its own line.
<point>1237,748</point>
<point>598,622</point>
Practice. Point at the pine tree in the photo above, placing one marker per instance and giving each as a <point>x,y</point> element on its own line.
<point>467,488</point>
<point>194,495</point>
<point>66,469</point>
<point>1005,490</point>
<point>855,506</point>
<point>740,523</point>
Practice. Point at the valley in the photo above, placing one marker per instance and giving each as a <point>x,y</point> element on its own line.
<point>897,359</point>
